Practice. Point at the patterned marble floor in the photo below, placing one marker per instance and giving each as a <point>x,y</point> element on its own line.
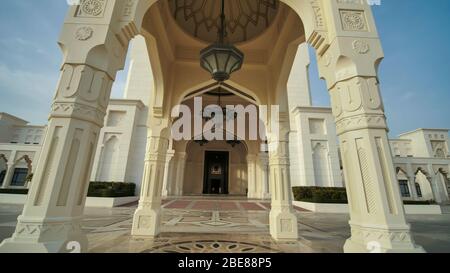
<point>201,226</point>
<point>230,225</point>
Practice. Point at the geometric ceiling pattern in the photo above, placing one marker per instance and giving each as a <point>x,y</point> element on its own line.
<point>245,19</point>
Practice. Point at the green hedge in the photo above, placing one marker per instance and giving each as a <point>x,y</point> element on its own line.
<point>14,191</point>
<point>427,202</point>
<point>335,196</point>
<point>320,195</point>
<point>111,189</point>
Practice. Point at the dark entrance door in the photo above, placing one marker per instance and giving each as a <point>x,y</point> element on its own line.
<point>216,173</point>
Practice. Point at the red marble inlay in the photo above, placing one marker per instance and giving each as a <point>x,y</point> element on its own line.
<point>227,206</point>
<point>178,205</point>
<point>266,205</point>
<point>165,201</point>
<point>251,206</point>
<point>205,205</point>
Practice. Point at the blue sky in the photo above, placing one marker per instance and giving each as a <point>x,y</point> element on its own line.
<point>415,75</point>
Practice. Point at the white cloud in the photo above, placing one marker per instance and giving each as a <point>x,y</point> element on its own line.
<point>27,94</point>
<point>23,45</point>
<point>31,84</point>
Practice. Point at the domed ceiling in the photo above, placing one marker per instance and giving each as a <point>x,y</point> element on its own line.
<point>245,19</point>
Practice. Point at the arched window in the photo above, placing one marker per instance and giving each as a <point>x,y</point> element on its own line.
<point>404,189</point>
<point>440,153</point>
<point>19,178</point>
<point>418,190</point>
<point>321,166</point>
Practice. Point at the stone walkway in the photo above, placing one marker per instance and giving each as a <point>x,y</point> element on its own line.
<point>238,226</point>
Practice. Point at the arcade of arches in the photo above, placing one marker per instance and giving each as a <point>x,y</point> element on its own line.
<point>94,42</point>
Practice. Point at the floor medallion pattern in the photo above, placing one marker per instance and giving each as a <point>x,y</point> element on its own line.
<point>211,246</point>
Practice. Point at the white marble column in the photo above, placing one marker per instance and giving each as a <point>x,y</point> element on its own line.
<point>350,65</point>
<point>251,177</point>
<point>168,176</point>
<point>412,181</point>
<point>439,192</point>
<point>376,208</point>
<point>147,218</point>
<point>53,213</point>
<point>180,165</point>
<point>283,220</point>
<point>263,176</point>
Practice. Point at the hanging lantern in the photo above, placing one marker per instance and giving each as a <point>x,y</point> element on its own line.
<point>221,59</point>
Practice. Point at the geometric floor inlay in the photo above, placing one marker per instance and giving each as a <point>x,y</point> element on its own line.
<point>193,226</point>
<point>229,225</point>
<point>211,246</point>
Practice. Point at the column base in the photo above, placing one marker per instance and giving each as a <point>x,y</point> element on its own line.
<point>283,224</point>
<point>165,194</point>
<point>377,240</point>
<point>253,195</point>
<point>266,196</point>
<point>46,237</point>
<point>146,222</point>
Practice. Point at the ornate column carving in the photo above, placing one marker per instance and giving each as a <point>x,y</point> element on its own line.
<point>376,209</point>
<point>147,217</point>
<point>283,221</point>
<point>350,66</point>
<point>92,55</point>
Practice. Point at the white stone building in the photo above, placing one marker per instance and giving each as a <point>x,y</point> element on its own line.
<point>165,73</point>
<point>421,157</point>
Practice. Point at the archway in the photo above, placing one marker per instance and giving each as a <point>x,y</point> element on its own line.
<point>94,43</point>
<point>424,183</point>
<point>244,156</point>
<point>22,169</point>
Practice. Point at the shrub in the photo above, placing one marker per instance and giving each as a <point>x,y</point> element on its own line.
<point>111,189</point>
<point>320,195</point>
<point>427,202</point>
<point>14,191</point>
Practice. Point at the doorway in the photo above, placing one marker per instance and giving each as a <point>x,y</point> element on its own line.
<point>216,173</point>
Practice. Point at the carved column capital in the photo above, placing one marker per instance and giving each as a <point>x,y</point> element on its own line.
<point>357,104</point>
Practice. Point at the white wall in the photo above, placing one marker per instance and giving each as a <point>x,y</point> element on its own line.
<point>423,141</point>
<point>120,140</point>
<point>7,124</point>
<point>140,76</point>
<point>319,163</point>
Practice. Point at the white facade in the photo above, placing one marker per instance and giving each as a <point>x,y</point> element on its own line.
<point>20,146</point>
<point>422,160</point>
<point>95,39</point>
<point>121,147</point>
